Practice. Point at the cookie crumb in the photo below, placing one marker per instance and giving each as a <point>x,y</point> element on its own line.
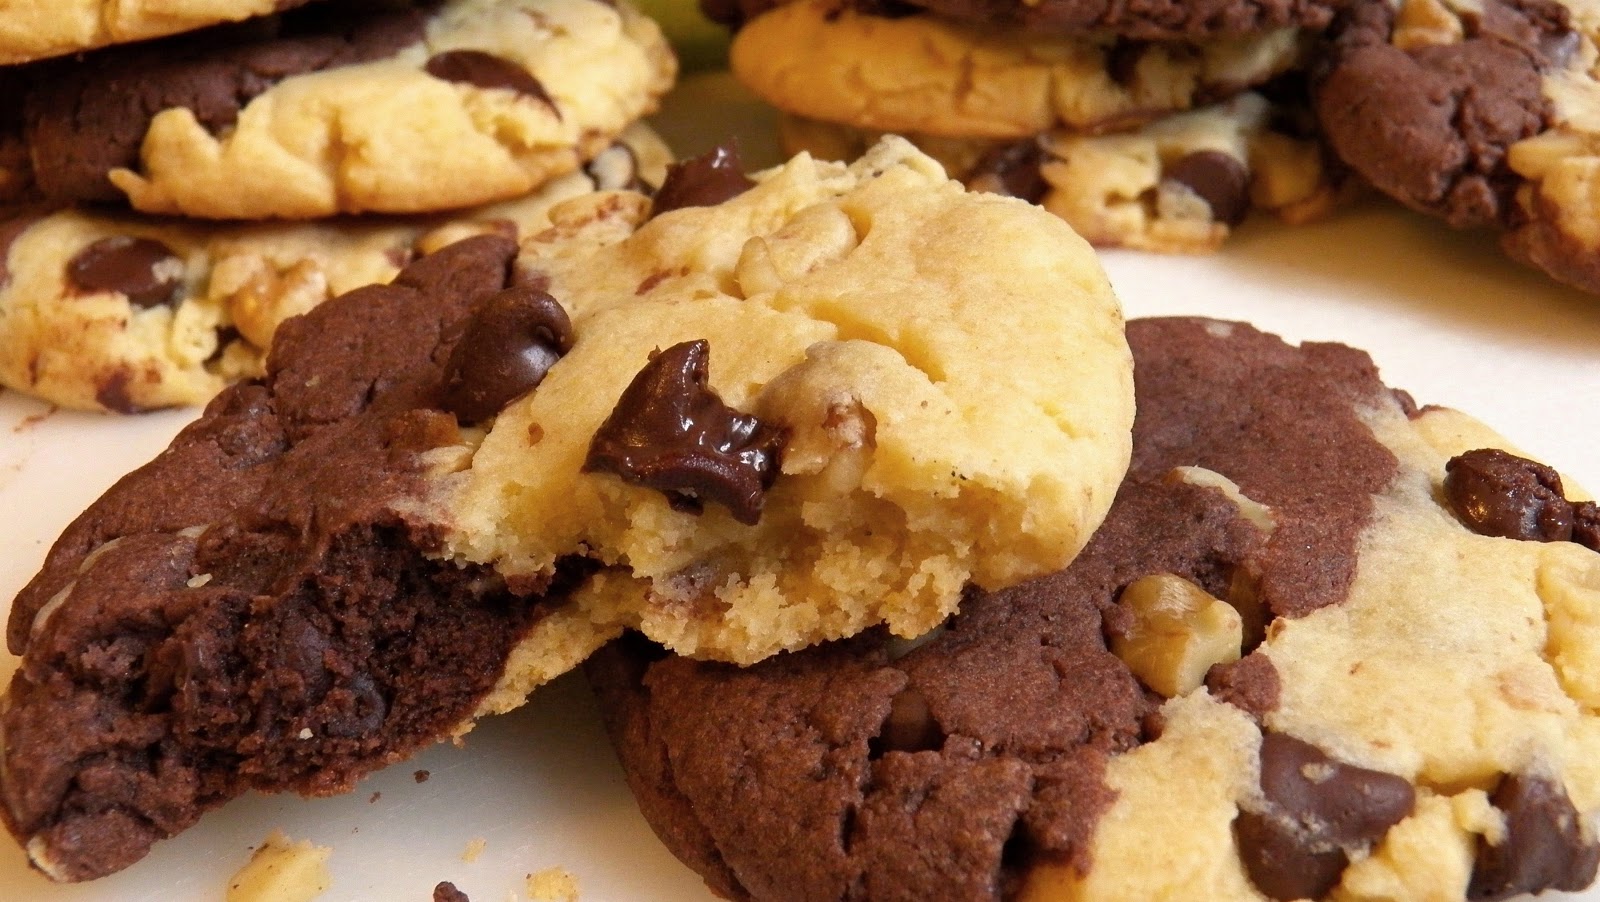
<point>375,797</point>
<point>474,849</point>
<point>553,885</point>
<point>282,870</point>
<point>421,776</point>
<point>447,892</point>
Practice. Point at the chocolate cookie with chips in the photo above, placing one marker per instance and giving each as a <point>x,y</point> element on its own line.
<point>1482,114</point>
<point>750,414</point>
<point>347,106</point>
<point>1325,646</point>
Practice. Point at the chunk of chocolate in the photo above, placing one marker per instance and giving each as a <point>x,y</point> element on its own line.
<point>672,433</point>
<point>1316,811</point>
<point>146,271</point>
<point>1219,179</point>
<point>485,70</point>
<point>512,340</point>
<point>447,892</point>
<point>1500,494</point>
<point>1012,170</point>
<point>1544,845</point>
<point>704,181</point>
<point>1586,525</point>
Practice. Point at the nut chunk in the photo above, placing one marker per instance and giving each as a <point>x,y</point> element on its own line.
<point>1178,632</point>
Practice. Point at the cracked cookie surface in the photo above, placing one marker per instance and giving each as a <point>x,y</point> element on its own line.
<point>1480,114</point>
<point>347,107</point>
<point>1407,711</point>
<point>122,313</point>
<point>920,74</point>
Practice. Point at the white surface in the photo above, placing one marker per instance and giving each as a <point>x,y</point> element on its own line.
<point>1445,316</point>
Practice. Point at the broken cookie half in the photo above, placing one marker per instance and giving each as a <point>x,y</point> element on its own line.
<point>770,412</point>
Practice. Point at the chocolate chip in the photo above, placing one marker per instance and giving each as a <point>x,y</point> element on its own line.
<point>511,341</point>
<point>147,272</point>
<point>1500,494</point>
<point>910,726</point>
<point>485,70</point>
<point>1316,811</point>
<point>447,892</point>
<point>704,181</point>
<point>1544,846</point>
<point>1586,525</point>
<point>672,433</point>
<point>1220,180</point>
<point>1012,170</point>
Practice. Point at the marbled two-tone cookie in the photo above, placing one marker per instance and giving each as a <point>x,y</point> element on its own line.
<point>1325,646</point>
<point>1176,185</point>
<point>1149,20</point>
<point>923,75</point>
<point>1482,114</point>
<point>346,106</point>
<point>122,313</point>
<point>740,417</point>
<point>36,29</point>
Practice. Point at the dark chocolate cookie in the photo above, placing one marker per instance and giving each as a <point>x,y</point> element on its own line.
<point>1285,667</point>
<point>1477,114</point>
<point>347,106</point>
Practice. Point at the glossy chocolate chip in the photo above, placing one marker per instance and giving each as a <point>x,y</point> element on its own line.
<point>485,70</point>
<point>1500,494</point>
<point>512,340</point>
<point>672,433</point>
<point>1220,180</point>
<point>1316,811</point>
<point>910,726</point>
<point>1012,170</point>
<point>145,271</point>
<point>704,181</point>
<point>1544,845</point>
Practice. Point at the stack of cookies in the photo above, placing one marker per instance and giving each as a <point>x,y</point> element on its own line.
<point>1149,125</point>
<point>177,180</point>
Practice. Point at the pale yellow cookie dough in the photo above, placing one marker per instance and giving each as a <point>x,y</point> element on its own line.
<point>386,136</point>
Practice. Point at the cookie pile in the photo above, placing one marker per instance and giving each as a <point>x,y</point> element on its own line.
<point>1153,125</point>
<point>178,179</point>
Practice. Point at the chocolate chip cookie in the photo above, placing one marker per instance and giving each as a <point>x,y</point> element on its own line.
<point>121,313</point>
<point>36,29</point>
<point>1179,184</point>
<point>745,415</point>
<point>928,76</point>
<point>347,106</point>
<point>1479,114</point>
<point>1326,645</point>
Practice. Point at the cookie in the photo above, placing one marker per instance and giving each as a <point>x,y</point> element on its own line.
<point>36,29</point>
<point>923,75</point>
<point>1177,185</point>
<point>1313,653</point>
<point>1479,114</point>
<point>1166,19</point>
<point>347,106</point>
<point>307,606</point>
<point>121,313</point>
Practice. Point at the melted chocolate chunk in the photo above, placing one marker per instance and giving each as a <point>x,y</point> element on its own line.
<point>512,340</point>
<point>704,181</point>
<point>1317,811</point>
<point>1220,180</point>
<point>1500,494</point>
<point>485,70</point>
<point>672,433</point>
<point>1012,170</point>
<point>1544,846</point>
<point>147,272</point>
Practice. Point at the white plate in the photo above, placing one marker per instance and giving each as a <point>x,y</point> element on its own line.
<point>1445,316</point>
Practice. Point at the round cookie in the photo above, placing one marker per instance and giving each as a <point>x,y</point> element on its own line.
<point>1165,19</point>
<point>291,571</point>
<point>1479,114</point>
<point>923,75</point>
<point>36,29</point>
<point>1176,185</point>
<point>120,313</point>
<point>1286,661</point>
<point>347,106</point>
